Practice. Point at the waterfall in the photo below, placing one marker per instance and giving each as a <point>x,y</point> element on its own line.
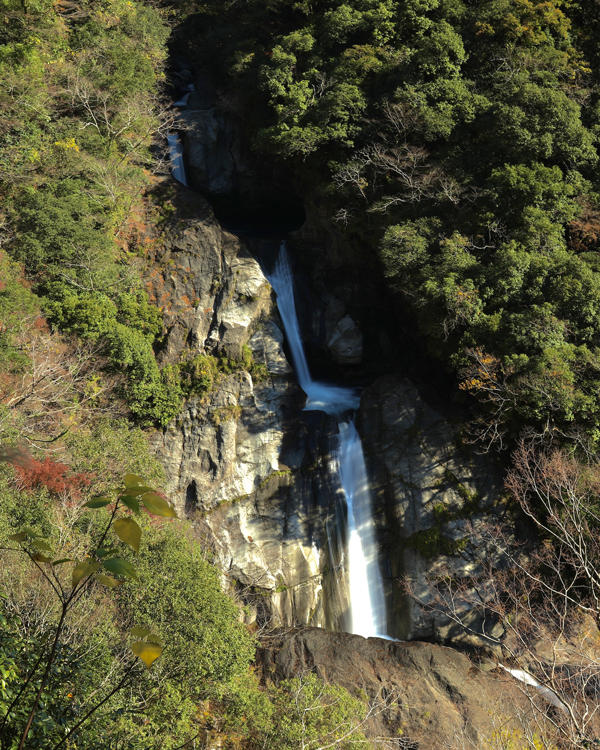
<point>367,604</point>
<point>319,396</point>
<point>176,154</point>
<point>184,100</point>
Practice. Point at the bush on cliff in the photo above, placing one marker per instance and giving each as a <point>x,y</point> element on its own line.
<point>79,113</point>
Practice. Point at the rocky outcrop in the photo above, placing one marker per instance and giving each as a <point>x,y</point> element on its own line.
<point>432,696</point>
<point>212,291</point>
<point>214,158</point>
<point>243,463</point>
<point>433,499</point>
<point>331,333</point>
<point>345,342</point>
<point>253,471</point>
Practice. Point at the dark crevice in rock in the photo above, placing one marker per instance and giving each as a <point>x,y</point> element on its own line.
<point>191,497</point>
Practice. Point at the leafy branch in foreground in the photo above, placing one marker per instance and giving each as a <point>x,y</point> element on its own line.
<point>71,579</point>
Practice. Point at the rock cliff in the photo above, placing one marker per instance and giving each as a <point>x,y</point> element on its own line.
<point>433,497</point>
<point>253,472</point>
<point>251,469</point>
<point>423,696</point>
<point>243,462</point>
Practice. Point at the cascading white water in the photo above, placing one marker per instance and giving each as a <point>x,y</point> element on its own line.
<point>366,588</point>
<point>176,154</point>
<point>367,603</point>
<point>183,101</point>
<point>319,396</point>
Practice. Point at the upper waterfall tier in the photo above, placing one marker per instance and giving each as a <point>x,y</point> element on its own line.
<point>331,399</point>
<point>176,156</point>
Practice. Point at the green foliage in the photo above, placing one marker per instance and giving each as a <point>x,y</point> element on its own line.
<point>198,375</point>
<point>128,345</point>
<point>148,393</point>
<point>300,712</point>
<point>461,140</point>
<point>308,712</point>
<point>135,311</point>
<point>11,644</point>
<point>60,225</point>
<point>110,448</point>
<point>18,308</point>
<point>69,572</point>
<point>179,596</point>
<point>70,170</point>
<point>204,644</point>
<point>431,543</point>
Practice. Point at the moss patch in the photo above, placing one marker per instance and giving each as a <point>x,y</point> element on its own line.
<point>431,543</point>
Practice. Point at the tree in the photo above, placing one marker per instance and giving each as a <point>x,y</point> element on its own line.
<point>71,581</point>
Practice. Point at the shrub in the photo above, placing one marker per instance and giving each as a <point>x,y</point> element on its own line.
<point>56,477</point>
<point>180,594</point>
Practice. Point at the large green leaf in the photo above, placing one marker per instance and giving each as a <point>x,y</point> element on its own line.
<point>105,551</point>
<point>129,532</point>
<point>20,537</point>
<point>82,570</point>
<point>158,505</point>
<point>23,535</point>
<point>148,652</point>
<point>132,481</point>
<point>41,545</point>
<point>98,502</point>
<point>120,567</point>
<point>38,557</point>
<point>131,502</point>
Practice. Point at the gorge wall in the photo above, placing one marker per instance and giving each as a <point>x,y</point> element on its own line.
<point>252,471</point>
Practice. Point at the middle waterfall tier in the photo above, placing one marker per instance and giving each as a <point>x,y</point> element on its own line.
<point>367,603</point>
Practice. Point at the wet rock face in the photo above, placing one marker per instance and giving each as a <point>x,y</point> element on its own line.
<point>432,696</point>
<point>433,500</point>
<point>253,471</point>
<point>271,547</point>
<point>212,149</point>
<point>255,482</point>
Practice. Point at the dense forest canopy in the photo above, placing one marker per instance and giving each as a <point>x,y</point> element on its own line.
<point>463,135</point>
